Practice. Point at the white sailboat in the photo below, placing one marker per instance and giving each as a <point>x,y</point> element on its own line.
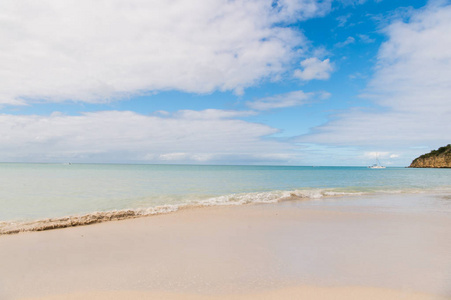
<point>377,165</point>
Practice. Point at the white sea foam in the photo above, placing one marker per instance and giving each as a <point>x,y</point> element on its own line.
<point>32,192</point>
<point>225,200</point>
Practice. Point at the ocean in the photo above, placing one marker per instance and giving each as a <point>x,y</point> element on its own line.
<point>35,194</point>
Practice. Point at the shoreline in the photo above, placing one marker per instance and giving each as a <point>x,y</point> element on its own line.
<point>11,227</point>
<point>16,227</point>
<point>338,243</point>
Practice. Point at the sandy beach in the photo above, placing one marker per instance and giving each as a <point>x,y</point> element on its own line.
<point>290,250</point>
<point>225,149</point>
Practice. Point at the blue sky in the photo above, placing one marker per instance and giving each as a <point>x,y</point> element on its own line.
<point>288,82</point>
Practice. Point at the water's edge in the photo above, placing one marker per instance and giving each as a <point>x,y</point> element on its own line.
<point>14,227</point>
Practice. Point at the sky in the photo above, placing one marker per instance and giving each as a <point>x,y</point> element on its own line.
<point>247,82</point>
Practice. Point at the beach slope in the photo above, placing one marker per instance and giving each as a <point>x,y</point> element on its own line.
<point>338,249</point>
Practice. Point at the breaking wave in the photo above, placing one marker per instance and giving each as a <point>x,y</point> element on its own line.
<point>114,215</point>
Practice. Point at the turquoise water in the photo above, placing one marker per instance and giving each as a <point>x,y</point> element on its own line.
<point>36,191</point>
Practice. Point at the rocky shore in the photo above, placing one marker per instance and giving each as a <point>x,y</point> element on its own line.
<point>440,158</point>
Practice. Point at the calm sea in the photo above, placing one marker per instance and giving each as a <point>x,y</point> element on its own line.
<point>30,192</point>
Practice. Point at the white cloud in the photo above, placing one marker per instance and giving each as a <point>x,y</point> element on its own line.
<point>411,86</point>
<point>173,156</point>
<point>353,2</point>
<point>279,101</point>
<point>342,20</point>
<point>374,155</point>
<point>213,114</point>
<point>95,51</point>
<point>290,99</point>
<point>114,136</point>
<point>415,64</point>
<point>349,40</point>
<point>301,9</point>
<point>366,38</point>
<point>385,158</point>
<point>313,68</point>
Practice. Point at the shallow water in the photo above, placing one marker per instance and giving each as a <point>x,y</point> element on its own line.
<point>30,192</point>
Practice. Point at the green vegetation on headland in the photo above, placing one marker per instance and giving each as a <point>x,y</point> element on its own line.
<point>440,158</point>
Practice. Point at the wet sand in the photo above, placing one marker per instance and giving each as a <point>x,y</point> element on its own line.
<point>285,250</point>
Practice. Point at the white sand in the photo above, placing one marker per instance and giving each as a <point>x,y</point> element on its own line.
<point>303,292</point>
<point>287,250</point>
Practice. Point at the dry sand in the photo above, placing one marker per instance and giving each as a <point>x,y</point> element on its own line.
<point>306,292</point>
<point>288,250</point>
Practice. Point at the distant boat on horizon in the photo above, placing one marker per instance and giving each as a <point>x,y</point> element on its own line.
<point>377,165</point>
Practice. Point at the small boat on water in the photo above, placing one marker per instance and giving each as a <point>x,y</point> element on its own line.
<point>377,165</point>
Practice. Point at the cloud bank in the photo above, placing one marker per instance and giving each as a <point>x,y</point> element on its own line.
<point>295,98</point>
<point>411,85</point>
<point>95,51</point>
<point>124,136</point>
